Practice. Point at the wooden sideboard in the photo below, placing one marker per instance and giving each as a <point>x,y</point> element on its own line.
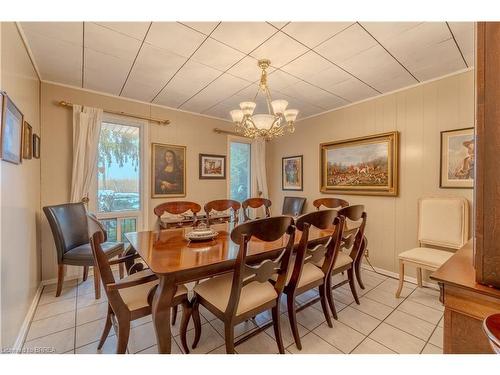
<point>466,304</point>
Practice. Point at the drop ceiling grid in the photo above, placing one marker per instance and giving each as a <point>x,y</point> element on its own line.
<point>345,86</point>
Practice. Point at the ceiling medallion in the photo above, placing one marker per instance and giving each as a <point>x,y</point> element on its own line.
<point>275,123</point>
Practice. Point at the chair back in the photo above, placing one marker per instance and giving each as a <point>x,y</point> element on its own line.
<point>443,221</point>
<point>223,205</point>
<point>324,219</point>
<point>177,208</point>
<point>68,223</point>
<point>330,203</point>
<point>267,230</point>
<point>354,230</point>
<point>255,203</point>
<point>293,206</point>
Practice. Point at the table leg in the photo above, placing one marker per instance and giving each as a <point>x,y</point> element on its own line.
<point>162,302</point>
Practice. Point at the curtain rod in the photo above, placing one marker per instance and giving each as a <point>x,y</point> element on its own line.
<point>220,131</point>
<point>159,121</point>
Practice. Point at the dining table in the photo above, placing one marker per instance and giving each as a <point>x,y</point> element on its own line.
<point>177,260</point>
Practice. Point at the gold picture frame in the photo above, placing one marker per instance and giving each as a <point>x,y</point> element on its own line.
<point>27,141</point>
<point>361,166</point>
<point>168,171</point>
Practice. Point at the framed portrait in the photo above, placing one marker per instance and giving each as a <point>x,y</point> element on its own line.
<point>363,166</point>
<point>168,171</point>
<point>457,159</point>
<point>27,141</point>
<point>36,146</point>
<point>11,132</point>
<point>212,167</point>
<point>291,173</point>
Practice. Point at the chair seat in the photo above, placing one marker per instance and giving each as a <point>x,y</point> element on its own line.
<point>217,291</point>
<point>342,260</point>
<point>425,256</point>
<point>82,255</point>
<point>136,297</point>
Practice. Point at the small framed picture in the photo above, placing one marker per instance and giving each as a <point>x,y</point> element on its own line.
<point>11,132</point>
<point>291,173</point>
<point>36,146</point>
<point>27,141</point>
<point>457,159</point>
<point>212,167</point>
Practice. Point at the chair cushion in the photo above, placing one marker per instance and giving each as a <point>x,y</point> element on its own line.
<point>83,253</point>
<point>342,260</point>
<point>136,297</point>
<point>426,256</point>
<point>217,291</point>
<point>310,273</point>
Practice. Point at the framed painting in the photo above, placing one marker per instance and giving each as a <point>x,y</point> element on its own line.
<point>27,141</point>
<point>291,173</point>
<point>457,159</point>
<point>11,132</point>
<point>212,167</point>
<point>168,173</point>
<point>363,166</point>
<point>36,146</point>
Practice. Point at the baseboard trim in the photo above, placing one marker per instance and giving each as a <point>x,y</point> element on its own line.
<point>395,275</point>
<point>23,331</point>
<point>53,281</point>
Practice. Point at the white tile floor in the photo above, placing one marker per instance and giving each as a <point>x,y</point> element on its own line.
<point>381,324</point>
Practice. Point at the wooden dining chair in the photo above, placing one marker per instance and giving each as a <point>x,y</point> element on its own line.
<point>351,248</point>
<point>330,203</point>
<point>221,205</point>
<point>248,291</point>
<point>177,208</point>
<point>130,298</point>
<point>312,266</point>
<point>255,203</point>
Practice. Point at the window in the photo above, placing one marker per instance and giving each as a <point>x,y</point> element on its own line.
<point>239,170</point>
<point>119,201</point>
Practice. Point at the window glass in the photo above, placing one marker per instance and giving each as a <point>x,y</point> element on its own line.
<point>239,170</point>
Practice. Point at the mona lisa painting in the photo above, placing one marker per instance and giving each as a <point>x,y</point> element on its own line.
<point>168,171</point>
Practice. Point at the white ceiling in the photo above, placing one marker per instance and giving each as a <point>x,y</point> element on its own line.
<point>209,67</point>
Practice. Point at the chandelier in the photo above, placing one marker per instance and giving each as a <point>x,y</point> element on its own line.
<point>275,123</point>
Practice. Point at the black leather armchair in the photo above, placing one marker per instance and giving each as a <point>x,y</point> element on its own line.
<point>293,205</point>
<point>69,226</point>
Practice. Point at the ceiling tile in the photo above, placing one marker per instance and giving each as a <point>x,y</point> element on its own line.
<point>107,41</point>
<point>217,55</point>
<point>346,44</point>
<point>243,36</point>
<point>278,24</point>
<point>314,33</point>
<point>279,80</point>
<point>136,30</point>
<point>98,76</point>
<point>328,77</point>
<point>187,82</point>
<point>313,95</point>
<point>203,27</point>
<point>280,49</point>
<point>464,34</point>
<point>58,61</point>
<point>248,69</point>
<point>152,70</point>
<point>426,49</point>
<point>352,89</point>
<point>71,32</point>
<point>307,65</point>
<point>174,37</point>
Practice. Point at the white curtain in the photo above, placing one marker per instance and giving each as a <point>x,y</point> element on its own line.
<point>258,156</point>
<point>86,128</point>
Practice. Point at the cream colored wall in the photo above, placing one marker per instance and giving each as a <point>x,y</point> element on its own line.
<point>20,194</point>
<point>419,114</point>
<point>195,132</point>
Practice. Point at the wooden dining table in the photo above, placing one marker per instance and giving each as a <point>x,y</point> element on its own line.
<point>175,260</point>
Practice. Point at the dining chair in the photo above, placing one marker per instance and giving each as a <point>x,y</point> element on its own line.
<point>221,205</point>
<point>330,203</point>
<point>443,222</point>
<point>255,203</point>
<point>351,247</point>
<point>311,267</point>
<point>177,208</point>
<point>247,291</point>
<point>293,206</point>
<point>131,297</point>
<point>68,223</point>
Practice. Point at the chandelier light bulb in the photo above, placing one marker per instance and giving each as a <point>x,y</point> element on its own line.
<point>279,106</point>
<point>291,115</point>
<point>248,108</point>
<point>236,115</point>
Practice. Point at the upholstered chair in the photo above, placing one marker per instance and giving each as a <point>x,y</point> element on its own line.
<point>247,291</point>
<point>443,226</point>
<point>68,223</point>
<point>293,206</point>
<point>255,203</point>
